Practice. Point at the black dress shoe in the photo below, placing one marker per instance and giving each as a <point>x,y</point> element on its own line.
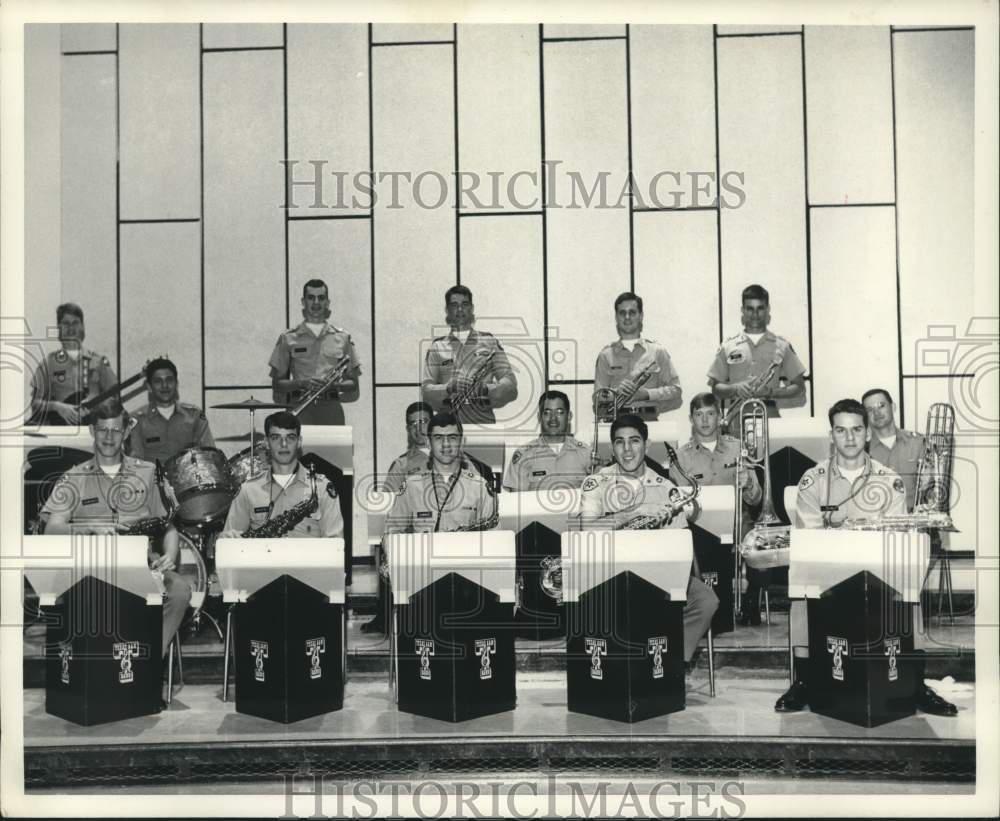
<point>749,618</point>
<point>376,625</point>
<point>928,701</point>
<point>795,698</point>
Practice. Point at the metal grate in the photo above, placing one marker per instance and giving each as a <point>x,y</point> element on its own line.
<point>850,767</point>
<point>605,764</point>
<point>347,769</point>
<point>963,769</point>
<point>36,777</point>
<point>474,765</point>
<point>727,766</point>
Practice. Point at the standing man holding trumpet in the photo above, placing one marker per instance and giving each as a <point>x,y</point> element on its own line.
<point>312,356</point>
<point>634,374</point>
<point>467,371</point>
<point>756,362</point>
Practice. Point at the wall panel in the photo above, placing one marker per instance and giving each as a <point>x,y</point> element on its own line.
<point>849,103</point>
<point>582,30</point>
<point>328,114</point>
<point>414,245</point>
<point>934,141</point>
<point>161,283</point>
<point>87,156</point>
<point>242,35</point>
<point>764,29</point>
<point>588,247</point>
<point>761,135</point>
<point>854,291</point>
<point>244,223</point>
<point>159,121</point>
<point>88,36</point>
<point>673,113</point>
<point>499,128</point>
<point>410,32</point>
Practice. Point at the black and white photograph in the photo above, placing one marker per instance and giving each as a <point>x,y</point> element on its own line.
<point>500,410</point>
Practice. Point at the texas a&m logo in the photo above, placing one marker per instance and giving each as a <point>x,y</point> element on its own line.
<point>314,649</point>
<point>259,651</point>
<point>124,652</point>
<point>484,649</point>
<point>710,578</point>
<point>65,657</point>
<point>892,650</point>
<point>425,649</point>
<point>837,647</point>
<point>596,648</point>
<point>656,647</point>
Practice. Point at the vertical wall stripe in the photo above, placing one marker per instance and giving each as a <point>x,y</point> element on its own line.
<point>288,191</point>
<point>805,158</point>
<point>458,187</point>
<point>631,180</point>
<point>718,152</point>
<point>895,210</point>
<point>371,251</point>
<point>201,196</point>
<point>545,245</point>
<point>118,206</point>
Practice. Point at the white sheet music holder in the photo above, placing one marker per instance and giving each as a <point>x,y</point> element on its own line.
<point>556,509</point>
<point>246,565</point>
<point>718,508</point>
<point>485,557</point>
<point>821,559</point>
<point>53,564</point>
<point>661,557</point>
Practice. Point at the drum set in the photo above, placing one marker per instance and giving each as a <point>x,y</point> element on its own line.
<point>205,482</point>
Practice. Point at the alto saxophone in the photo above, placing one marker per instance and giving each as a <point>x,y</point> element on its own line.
<point>282,523</point>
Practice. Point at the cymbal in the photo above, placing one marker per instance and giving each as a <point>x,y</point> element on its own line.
<point>250,404</point>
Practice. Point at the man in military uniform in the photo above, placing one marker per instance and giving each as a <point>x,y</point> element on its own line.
<point>166,426</point>
<point>70,375</point>
<point>418,448</point>
<point>284,485</point>
<point>849,485</point>
<point>554,459</point>
<point>629,488</point>
<point>467,368</point>
<point>894,447</point>
<point>710,458</point>
<point>448,492</point>
<point>111,491</point>
<point>304,357</point>
<point>636,367</point>
<point>750,354</point>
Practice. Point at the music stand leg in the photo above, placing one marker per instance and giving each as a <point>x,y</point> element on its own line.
<point>170,671</point>
<point>946,572</point>
<point>711,663</point>
<point>767,607</point>
<point>227,648</point>
<point>737,580</point>
<point>791,648</point>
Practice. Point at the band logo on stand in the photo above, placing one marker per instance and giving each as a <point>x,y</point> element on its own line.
<point>838,648</point>
<point>425,649</point>
<point>596,648</point>
<point>484,649</point>
<point>65,657</point>
<point>123,651</point>
<point>892,651</point>
<point>258,649</point>
<point>314,649</point>
<point>657,646</point>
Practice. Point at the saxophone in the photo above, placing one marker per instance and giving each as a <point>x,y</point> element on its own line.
<point>476,379</point>
<point>282,523</point>
<point>609,402</point>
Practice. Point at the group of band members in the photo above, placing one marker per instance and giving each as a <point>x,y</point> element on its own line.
<point>438,487</point>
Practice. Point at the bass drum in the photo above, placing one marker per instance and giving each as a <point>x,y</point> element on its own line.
<point>202,483</point>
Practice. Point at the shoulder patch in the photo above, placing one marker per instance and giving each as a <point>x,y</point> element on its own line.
<point>589,484</point>
<point>820,471</point>
<point>579,444</point>
<point>898,486</point>
<point>805,482</point>
<point>331,491</point>
<point>516,458</point>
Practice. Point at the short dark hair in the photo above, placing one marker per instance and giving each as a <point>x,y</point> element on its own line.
<point>314,283</point>
<point>703,400</point>
<point>443,419</point>
<point>848,406</point>
<point>755,292</point>
<point>553,395</point>
<point>111,409</point>
<point>625,297</point>
<point>159,364</point>
<point>70,308</point>
<point>874,391</point>
<point>415,407</point>
<point>282,419</point>
<point>457,289</point>
<point>629,420</point>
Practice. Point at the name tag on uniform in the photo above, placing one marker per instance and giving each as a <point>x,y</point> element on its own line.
<point>300,350</point>
<point>615,367</point>
<point>697,475</point>
<point>736,357</point>
<point>92,501</point>
<point>263,509</point>
<point>423,514</point>
<point>152,439</point>
<point>829,508</point>
<point>447,362</point>
<point>539,472</point>
<point>730,465</point>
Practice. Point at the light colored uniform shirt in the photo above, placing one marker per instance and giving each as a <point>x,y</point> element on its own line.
<point>263,498</point>
<point>536,466</point>
<point>430,502</point>
<point>619,498</point>
<point>59,375</point>
<point>86,493</point>
<point>448,357</point>
<point>877,492</point>
<point>738,358</point>
<point>156,437</point>
<point>300,354</point>
<point>718,466</point>
<point>615,363</point>
<point>413,459</point>
<point>903,457</point>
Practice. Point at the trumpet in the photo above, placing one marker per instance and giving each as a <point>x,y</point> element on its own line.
<point>756,384</point>
<point>476,380</point>
<point>608,403</point>
<point>767,542</point>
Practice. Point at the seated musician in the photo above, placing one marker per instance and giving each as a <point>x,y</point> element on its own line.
<point>448,492</point>
<point>555,458</point>
<point>108,493</point>
<point>894,447</point>
<point>849,485</point>
<point>629,488</point>
<point>636,367</point>
<point>166,426</point>
<point>285,484</point>
<point>710,457</point>
<point>305,356</point>
<point>70,375</point>
<point>459,375</point>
